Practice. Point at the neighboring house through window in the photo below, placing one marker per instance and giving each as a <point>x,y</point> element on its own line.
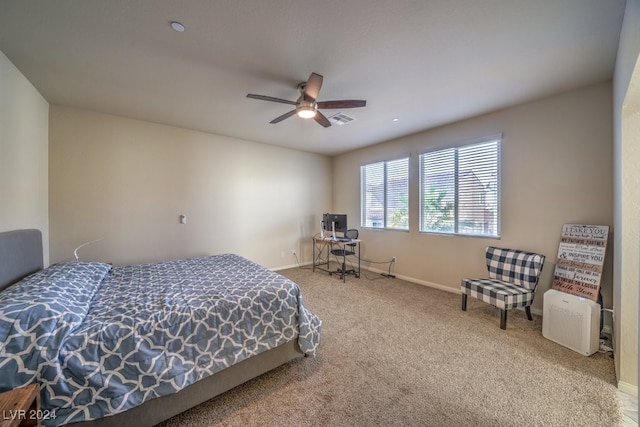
<point>460,190</point>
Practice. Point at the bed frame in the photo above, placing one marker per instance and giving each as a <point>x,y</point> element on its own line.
<point>21,255</point>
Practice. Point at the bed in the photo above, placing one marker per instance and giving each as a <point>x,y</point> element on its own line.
<point>135,345</point>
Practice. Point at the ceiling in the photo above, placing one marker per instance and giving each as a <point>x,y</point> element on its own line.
<point>426,63</point>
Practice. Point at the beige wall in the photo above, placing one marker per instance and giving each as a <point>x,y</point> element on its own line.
<point>626,112</point>
<point>127,182</point>
<point>556,169</point>
<point>23,154</point>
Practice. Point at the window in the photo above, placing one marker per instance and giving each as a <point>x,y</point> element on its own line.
<point>460,190</point>
<point>385,195</point>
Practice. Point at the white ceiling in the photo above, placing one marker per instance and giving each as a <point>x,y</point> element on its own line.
<point>426,62</point>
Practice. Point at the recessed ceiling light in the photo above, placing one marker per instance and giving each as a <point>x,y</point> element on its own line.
<point>395,119</point>
<point>177,26</point>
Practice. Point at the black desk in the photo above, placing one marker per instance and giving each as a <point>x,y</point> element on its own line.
<point>327,244</point>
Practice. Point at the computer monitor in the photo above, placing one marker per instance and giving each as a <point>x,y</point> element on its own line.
<point>335,222</point>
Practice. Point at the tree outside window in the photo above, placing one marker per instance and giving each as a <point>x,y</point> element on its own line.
<point>459,190</point>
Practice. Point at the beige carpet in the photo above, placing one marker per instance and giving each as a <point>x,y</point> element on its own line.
<point>397,353</point>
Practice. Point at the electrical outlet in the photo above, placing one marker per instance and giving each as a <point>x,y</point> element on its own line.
<point>394,259</point>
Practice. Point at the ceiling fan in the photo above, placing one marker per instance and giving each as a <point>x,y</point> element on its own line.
<point>307,105</point>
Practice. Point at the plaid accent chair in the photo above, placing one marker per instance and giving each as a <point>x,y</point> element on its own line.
<point>513,277</point>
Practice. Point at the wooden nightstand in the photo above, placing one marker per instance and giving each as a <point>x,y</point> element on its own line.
<point>21,407</point>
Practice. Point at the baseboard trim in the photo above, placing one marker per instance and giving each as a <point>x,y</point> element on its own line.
<point>628,388</point>
<point>419,282</point>
<point>536,311</point>
<point>286,267</point>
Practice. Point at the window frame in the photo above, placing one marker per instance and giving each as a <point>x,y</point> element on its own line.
<point>385,196</point>
<point>497,139</point>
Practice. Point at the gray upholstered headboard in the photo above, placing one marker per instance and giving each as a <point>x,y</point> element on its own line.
<point>20,255</point>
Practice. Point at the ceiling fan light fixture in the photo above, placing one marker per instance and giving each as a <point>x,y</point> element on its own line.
<point>307,107</point>
<point>306,112</point>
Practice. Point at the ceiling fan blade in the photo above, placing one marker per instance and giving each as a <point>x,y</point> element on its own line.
<point>346,103</point>
<point>320,118</point>
<point>270,98</point>
<point>282,117</point>
<point>312,87</point>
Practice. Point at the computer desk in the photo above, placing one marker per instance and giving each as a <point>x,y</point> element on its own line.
<point>327,244</point>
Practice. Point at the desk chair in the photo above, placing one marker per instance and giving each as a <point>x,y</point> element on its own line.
<point>347,250</point>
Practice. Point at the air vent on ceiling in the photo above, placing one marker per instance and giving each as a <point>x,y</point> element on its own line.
<point>340,119</point>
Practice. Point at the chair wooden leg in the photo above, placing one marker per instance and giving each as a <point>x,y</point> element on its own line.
<point>527,309</point>
<point>464,302</point>
<point>503,319</point>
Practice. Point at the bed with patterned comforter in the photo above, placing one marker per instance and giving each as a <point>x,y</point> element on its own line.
<point>102,339</point>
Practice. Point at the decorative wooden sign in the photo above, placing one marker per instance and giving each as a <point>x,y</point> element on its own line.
<point>581,259</point>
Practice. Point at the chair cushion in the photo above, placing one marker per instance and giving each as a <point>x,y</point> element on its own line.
<point>501,294</point>
<point>518,267</point>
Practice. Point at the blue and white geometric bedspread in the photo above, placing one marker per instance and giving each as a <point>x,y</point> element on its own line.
<point>102,340</point>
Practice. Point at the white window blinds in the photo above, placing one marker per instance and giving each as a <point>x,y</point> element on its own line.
<point>460,189</point>
<point>385,194</point>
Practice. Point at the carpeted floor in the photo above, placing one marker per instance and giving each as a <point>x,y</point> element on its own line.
<point>401,354</point>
